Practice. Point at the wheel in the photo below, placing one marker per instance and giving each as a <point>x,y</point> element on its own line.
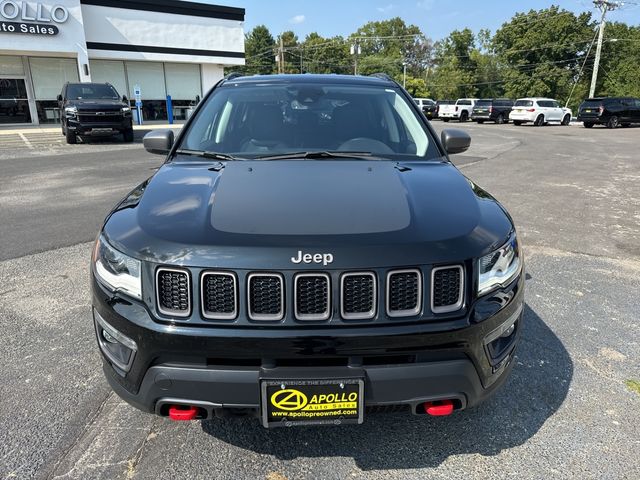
<point>64,133</point>
<point>613,122</point>
<point>517,123</point>
<point>566,120</point>
<point>463,117</point>
<point>480,121</point>
<point>445,120</point>
<point>587,125</point>
<point>72,138</point>
<point>127,135</point>
<point>539,121</point>
<point>500,119</point>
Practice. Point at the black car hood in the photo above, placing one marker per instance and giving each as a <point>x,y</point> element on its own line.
<point>98,104</point>
<point>259,214</point>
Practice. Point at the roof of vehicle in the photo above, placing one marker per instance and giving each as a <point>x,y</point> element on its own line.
<point>313,78</point>
<point>467,98</point>
<point>604,99</point>
<point>537,98</point>
<point>88,83</point>
<point>494,99</point>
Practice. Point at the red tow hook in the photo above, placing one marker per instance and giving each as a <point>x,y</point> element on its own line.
<point>183,412</point>
<point>439,408</point>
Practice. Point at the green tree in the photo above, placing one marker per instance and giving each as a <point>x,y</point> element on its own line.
<point>325,55</point>
<point>455,60</point>
<point>259,48</point>
<point>620,61</point>
<point>291,51</point>
<point>542,51</point>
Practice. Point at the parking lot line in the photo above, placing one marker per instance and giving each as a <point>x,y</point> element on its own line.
<point>26,141</point>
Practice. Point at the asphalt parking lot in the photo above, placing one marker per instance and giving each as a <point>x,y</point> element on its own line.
<point>567,410</point>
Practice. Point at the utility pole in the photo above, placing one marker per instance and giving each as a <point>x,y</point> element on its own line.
<point>280,56</point>
<point>355,51</point>
<point>604,6</point>
<point>404,75</point>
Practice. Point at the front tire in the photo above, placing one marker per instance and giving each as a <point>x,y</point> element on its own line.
<point>127,135</point>
<point>613,122</point>
<point>539,121</point>
<point>463,117</point>
<point>588,125</point>
<point>500,119</point>
<point>72,138</point>
<point>445,120</point>
<point>566,120</point>
<point>480,121</point>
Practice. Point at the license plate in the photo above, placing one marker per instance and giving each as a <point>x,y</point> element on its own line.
<point>587,110</point>
<point>287,403</point>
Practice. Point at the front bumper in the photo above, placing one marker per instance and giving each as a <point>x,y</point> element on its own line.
<point>449,115</point>
<point>220,369</point>
<point>103,128</point>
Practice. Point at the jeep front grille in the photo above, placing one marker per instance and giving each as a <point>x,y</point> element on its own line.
<point>265,296</point>
<point>312,296</point>
<point>404,293</point>
<point>173,292</point>
<point>358,296</point>
<point>447,292</point>
<point>219,292</point>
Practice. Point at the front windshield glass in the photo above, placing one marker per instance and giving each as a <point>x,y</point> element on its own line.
<point>259,120</point>
<point>91,91</point>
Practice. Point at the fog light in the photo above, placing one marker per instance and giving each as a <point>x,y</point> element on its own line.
<point>117,347</point>
<point>507,333</point>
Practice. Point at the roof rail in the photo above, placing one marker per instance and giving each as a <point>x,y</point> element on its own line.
<point>233,75</point>
<point>383,76</point>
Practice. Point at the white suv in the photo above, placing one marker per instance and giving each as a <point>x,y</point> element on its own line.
<point>540,111</point>
<point>461,111</point>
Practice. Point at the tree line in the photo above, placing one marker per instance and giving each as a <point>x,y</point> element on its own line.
<point>547,52</point>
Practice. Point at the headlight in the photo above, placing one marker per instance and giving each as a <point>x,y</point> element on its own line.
<point>116,270</point>
<point>126,109</point>
<point>71,111</point>
<point>499,267</point>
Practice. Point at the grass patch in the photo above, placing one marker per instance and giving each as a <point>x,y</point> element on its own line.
<point>633,385</point>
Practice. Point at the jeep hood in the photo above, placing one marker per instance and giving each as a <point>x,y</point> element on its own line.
<point>254,212</point>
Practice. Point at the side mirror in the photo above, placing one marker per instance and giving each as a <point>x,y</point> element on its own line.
<point>59,98</point>
<point>158,142</point>
<point>455,141</point>
<point>125,99</point>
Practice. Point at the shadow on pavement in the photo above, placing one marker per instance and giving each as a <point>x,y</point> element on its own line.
<point>535,390</point>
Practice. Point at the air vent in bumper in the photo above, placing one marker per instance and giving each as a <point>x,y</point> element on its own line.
<point>447,289</point>
<point>173,292</point>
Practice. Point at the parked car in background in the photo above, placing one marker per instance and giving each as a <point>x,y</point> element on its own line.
<point>540,111</point>
<point>461,111</point>
<point>94,109</point>
<point>429,108</point>
<point>439,103</point>
<point>492,110</point>
<point>609,111</point>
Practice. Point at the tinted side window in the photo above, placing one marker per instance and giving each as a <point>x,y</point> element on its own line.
<point>464,102</point>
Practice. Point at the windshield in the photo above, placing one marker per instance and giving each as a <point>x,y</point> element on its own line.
<point>261,120</point>
<point>523,103</point>
<point>92,91</point>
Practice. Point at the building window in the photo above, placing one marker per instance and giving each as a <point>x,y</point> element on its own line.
<point>109,71</point>
<point>14,103</point>
<point>150,77</point>
<point>49,75</point>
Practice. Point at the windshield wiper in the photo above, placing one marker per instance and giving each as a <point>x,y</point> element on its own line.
<point>320,155</point>
<point>208,154</point>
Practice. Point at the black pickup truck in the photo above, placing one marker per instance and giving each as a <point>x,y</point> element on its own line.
<point>94,109</point>
<point>307,254</point>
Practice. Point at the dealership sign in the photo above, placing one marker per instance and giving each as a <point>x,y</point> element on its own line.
<point>20,17</point>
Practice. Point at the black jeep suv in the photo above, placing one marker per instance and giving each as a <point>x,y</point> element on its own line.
<point>609,111</point>
<point>307,254</point>
<point>94,109</point>
<point>492,110</point>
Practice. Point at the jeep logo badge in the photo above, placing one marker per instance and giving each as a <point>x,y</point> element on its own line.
<point>323,258</point>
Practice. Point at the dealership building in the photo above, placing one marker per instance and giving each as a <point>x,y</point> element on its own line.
<point>158,47</point>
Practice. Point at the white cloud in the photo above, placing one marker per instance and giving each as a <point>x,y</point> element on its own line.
<point>425,4</point>
<point>297,19</point>
<point>386,9</point>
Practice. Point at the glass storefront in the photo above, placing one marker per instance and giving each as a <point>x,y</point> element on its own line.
<point>14,99</point>
<point>49,75</point>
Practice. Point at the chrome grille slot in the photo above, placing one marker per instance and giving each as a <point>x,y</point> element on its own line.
<point>265,296</point>
<point>312,296</point>
<point>447,288</point>
<point>404,293</point>
<point>358,295</point>
<point>219,295</point>
<point>173,292</point>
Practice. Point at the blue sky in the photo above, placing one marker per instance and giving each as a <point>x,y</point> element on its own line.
<point>436,18</point>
